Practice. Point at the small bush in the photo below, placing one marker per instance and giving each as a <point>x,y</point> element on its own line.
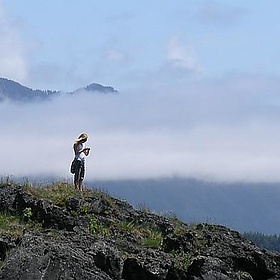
<point>84,208</point>
<point>181,259</point>
<point>14,225</point>
<point>179,227</point>
<point>97,228</point>
<point>154,239</point>
<point>125,226</point>
<point>27,213</point>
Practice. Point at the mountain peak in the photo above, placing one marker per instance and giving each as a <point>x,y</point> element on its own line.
<point>16,92</point>
<point>100,88</point>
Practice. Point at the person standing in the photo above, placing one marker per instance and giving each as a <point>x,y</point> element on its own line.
<point>80,152</point>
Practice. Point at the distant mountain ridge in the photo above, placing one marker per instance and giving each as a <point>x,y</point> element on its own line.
<point>14,91</point>
<point>99,88</point>
<point>243,206</point>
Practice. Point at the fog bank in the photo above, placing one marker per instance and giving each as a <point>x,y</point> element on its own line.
<point>224,129</point>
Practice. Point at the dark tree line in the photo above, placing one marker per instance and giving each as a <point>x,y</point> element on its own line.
<point>269,242</point>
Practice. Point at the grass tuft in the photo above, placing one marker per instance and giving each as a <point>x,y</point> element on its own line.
<point>14,225</point>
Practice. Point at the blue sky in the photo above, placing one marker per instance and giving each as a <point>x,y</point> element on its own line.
<point>65,44</point>
<point>199,86</point>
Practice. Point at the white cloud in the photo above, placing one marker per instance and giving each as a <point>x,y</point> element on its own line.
<point>13,50</point>
<point>181,56</point>
<point>212,130</point>
<point>115,55</point>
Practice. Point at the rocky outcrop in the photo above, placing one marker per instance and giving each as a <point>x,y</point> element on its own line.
<point>95,236</point>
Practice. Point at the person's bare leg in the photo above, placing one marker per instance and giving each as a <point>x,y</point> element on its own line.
<point>80,185</point>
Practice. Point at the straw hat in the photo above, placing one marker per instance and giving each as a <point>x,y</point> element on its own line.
<point>82,137</point>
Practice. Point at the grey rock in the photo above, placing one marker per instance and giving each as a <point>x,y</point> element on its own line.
<point>101,237</point>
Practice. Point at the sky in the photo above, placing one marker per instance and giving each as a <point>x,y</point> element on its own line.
<point>198,82</point>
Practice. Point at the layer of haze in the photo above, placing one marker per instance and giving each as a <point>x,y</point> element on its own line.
<point>223,130</point>
<point>199,86</point>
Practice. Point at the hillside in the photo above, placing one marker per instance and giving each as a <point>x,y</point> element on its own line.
<point>54,232</point>
<point>244,206</point>
<point>13,91</point>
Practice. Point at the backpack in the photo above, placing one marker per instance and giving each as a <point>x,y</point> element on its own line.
<point>73,166</point>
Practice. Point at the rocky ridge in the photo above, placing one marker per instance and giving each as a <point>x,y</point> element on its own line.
<point>92,235</point>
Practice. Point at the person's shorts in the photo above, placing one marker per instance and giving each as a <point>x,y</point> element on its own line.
<point>79,170</point>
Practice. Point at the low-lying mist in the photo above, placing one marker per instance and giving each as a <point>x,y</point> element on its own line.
<point>224,130</point>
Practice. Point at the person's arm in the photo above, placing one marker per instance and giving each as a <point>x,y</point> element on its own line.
<point>86,151</point>
<point>83,150</point>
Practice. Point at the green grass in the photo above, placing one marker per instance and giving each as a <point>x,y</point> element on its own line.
<point>179,227</point>
<point>153,239</point>
<point>181,259</point>
<point>14,225</point>
<point>145,234</point>
<point>125,226</point>
<point>6,180</point>
<point>57,192</point>
<point>96,228</point>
